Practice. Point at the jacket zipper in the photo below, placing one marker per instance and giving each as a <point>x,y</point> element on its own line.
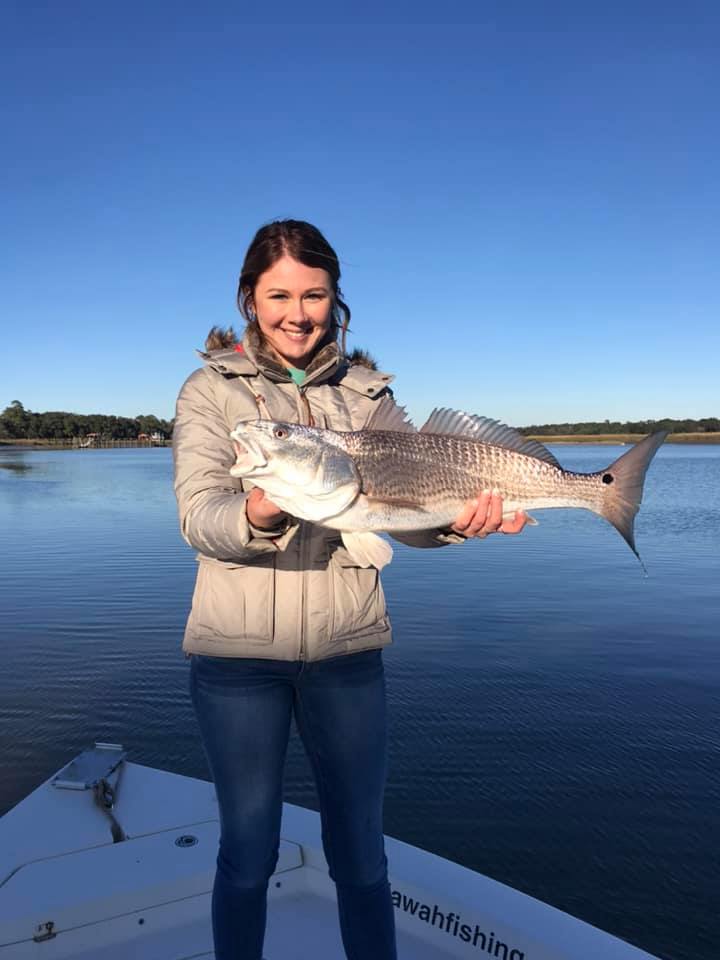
<point>307,418</point>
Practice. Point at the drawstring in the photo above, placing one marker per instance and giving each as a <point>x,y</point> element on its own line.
<point>261,404</point>
<point>264,411</point>
<point>259,399</point>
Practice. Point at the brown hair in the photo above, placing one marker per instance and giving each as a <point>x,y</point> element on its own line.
<point>304,243</point>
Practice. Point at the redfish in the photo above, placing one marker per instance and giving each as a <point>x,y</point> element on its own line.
<point>391,477</point>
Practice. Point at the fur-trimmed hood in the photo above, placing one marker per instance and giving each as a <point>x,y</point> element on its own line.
<point>222,340</point>
<point>358,372</point>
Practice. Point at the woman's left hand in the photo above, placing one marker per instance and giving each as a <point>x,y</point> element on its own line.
<point>484,515</point>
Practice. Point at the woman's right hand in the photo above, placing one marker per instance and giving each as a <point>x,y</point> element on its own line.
<point>261,512</point>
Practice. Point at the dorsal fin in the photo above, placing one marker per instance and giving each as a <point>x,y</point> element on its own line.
<point>387,415</point>
<point>458,424</point>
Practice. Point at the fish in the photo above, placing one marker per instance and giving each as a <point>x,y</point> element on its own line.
<point>391,477</point>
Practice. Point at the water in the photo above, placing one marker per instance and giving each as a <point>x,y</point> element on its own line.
<point>554,713</point>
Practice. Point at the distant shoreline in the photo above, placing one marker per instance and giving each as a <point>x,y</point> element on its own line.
<point>62,445</point>
<point>623,438</point>
<point>599,438</point>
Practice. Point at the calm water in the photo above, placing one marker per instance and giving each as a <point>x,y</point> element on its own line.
<point>554,713</point>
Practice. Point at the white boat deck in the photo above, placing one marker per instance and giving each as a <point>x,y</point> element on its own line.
<point>67,891</point>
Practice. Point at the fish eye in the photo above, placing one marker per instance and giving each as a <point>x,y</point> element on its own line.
<point>280,433</point>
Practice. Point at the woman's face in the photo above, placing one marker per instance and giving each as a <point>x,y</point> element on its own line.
<point>293,304</point>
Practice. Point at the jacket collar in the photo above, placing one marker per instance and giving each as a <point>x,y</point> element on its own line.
<point>327,361</point>
<point>328,364</point>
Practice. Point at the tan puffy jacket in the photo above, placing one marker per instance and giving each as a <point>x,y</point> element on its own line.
<point>297,595</point>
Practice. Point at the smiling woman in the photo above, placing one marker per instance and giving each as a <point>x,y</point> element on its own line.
<point>284,619</point>
<point>293,308</point>
<point>289,285</point>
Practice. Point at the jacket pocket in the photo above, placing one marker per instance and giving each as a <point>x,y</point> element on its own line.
<point>357,601</point>
<point>235,600</point>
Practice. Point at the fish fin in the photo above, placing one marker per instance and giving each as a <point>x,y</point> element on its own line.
<point>623,491</point>
<point>459,424</point>
<point>387,415</point>
<point>316,508</point>
<point>530,521</point>
<point>367,549</point>
<point>394,502</point>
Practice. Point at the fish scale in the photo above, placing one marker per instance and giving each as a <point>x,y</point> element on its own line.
<point>439,474</point>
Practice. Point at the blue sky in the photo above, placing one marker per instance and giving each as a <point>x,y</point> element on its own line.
<point>526,208</point>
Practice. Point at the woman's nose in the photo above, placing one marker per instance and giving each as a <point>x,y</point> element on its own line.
<point>296,311</point>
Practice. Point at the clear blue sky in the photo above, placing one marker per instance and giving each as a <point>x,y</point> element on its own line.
<point>527,208</point>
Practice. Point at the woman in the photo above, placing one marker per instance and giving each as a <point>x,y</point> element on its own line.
<point>282,621</point>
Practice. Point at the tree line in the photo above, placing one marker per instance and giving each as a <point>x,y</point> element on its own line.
<point>706,425</point>
<point>17,423</point>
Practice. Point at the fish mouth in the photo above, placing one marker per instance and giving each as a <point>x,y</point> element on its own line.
<point>248,455</point>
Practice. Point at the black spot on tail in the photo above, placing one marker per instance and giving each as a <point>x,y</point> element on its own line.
<point>625,480</point>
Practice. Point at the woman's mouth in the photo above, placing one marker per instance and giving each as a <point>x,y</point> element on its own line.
<point>297,334</point>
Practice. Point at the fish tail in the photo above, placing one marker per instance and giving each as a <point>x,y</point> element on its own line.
<point>623,487</point>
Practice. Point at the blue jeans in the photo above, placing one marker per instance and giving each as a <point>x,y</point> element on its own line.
<point>244,708</point>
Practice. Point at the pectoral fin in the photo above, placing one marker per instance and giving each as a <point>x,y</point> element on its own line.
<point>367,549</point>
<point>375,502</point>
<point>316,506</point>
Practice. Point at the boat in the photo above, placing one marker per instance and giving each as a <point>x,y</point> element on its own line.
<point>110,858</point>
